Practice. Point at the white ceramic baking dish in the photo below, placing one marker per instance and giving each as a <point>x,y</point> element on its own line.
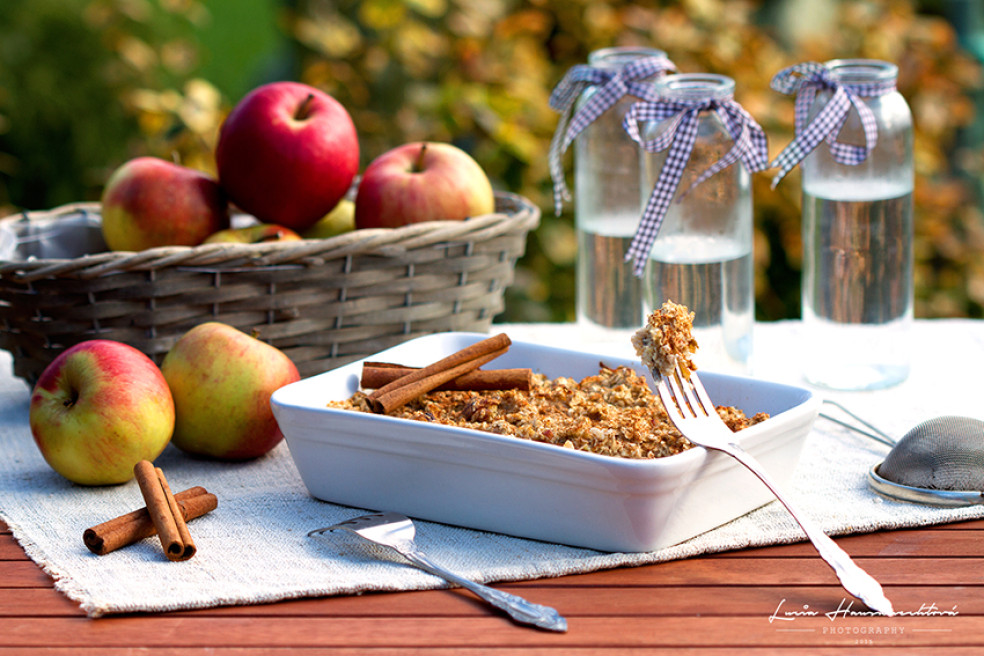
<point>529,489</point>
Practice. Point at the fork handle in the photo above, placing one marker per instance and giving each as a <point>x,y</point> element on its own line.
<point>518,608</point>
<point>854,579</point>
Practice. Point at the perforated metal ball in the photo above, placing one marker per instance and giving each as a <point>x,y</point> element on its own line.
<point>946,453</point>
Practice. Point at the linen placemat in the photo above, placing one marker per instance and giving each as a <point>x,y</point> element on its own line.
<point>254,547</point>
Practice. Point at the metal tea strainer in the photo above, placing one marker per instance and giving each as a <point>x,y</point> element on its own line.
<point>939,462</point>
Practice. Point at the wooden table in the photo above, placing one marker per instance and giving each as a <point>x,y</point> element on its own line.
<point>763,601</point>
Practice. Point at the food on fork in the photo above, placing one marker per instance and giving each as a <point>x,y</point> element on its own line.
<point>666,340</point>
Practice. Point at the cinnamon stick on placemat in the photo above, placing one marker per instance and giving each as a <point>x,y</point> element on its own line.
<point>164,512</point>
<point>134,526</point>
<point>421,381</point>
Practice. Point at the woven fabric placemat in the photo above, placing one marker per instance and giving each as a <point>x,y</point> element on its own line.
<point>254,547</point>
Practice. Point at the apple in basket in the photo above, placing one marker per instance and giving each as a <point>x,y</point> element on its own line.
<point>287,153</point>
<point>422,181</point>
<point>221,380</point>
<point>338,221</point>
<point>149,202</point>
<point>254,234</point>
<point>99,408</point>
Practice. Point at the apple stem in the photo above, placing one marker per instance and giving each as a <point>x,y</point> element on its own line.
<point>418,164</point>
<point>71,400</point>
<point>304,108</point>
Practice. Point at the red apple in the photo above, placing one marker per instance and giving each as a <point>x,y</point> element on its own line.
<point>422,182</point>
<point>98,409</point>
<point>150,202</point>
<point>221,380</point>
<point>287,153</point>
<point>255,234</point>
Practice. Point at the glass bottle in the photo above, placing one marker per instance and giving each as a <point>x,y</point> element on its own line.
<point>702,256</point>
<point>606,213</point>
<point>857,290</point>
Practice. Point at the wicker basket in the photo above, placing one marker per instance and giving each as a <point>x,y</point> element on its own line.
<point>323,302</point>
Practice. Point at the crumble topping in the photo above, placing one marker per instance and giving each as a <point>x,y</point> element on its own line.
<point>667,341</point>
<point>613,413</point>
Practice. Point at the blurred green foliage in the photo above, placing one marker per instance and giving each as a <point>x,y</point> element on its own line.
<point>85,84</point>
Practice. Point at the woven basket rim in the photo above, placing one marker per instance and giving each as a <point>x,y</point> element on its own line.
<point>513,212</point>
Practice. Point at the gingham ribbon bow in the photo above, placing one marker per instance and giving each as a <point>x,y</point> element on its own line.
<point>750,147</point>
<point>805,80</point>
<point>614,84</point>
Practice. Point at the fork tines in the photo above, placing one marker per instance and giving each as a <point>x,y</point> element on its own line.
<point>684,396</point>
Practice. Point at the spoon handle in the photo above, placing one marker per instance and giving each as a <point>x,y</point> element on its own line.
<point>518,608</point>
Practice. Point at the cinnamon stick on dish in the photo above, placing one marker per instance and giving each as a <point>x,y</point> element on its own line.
<point>378,374</point>
<point>164,512</point>
<point>420,381</point>
<point>134,526</point>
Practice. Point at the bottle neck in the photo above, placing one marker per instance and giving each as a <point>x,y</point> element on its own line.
<point>696,87</point>
<point>619,57</point>
<point>864,76</point>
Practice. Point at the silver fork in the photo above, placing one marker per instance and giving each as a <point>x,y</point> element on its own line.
<point>397,532</point>
<point>692,412</point>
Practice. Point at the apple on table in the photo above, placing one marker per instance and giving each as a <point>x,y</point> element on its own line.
<point>221,380</point>
<point>149,202</point>
<point>99,408</point>
<point>422,181</point>
<point>287,153</point>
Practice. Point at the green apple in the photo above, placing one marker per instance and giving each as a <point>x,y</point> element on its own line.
<point>151,202</point>
<point>340,220</point>
<point>254,234</point>
<point>99,408</point>
<point>221,380</point>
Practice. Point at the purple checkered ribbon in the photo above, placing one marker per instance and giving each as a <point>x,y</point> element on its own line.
<point>750,147</point>
<point>613,85</point>
<point>805,80</point>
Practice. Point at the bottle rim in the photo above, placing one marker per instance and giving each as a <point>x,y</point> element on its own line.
<point>858,71</point>
<point>618,56</point>
<point>696,86</point>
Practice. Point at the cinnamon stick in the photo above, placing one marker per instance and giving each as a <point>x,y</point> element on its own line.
<point>378,374</point>
<point>188,545</point>
<point>164,512</point>
<point>134,526</point>
<point>420,381</point>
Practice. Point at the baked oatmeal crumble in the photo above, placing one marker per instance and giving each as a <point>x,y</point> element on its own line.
<point>613,413</point>
<point>667,341</point>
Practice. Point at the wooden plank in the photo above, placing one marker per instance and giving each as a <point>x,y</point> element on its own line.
<point>9,549</point>
<point>696,572</point>
<point>574,601</point>
<point>678,632</point>
<point>932,542</point>
<point>705,604</point>
<point>671,601</point>
<point>23,574</point>
<point>36,602</point>
<point>792,571</point>
<point>970,524</point>
<point>475,651</point>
